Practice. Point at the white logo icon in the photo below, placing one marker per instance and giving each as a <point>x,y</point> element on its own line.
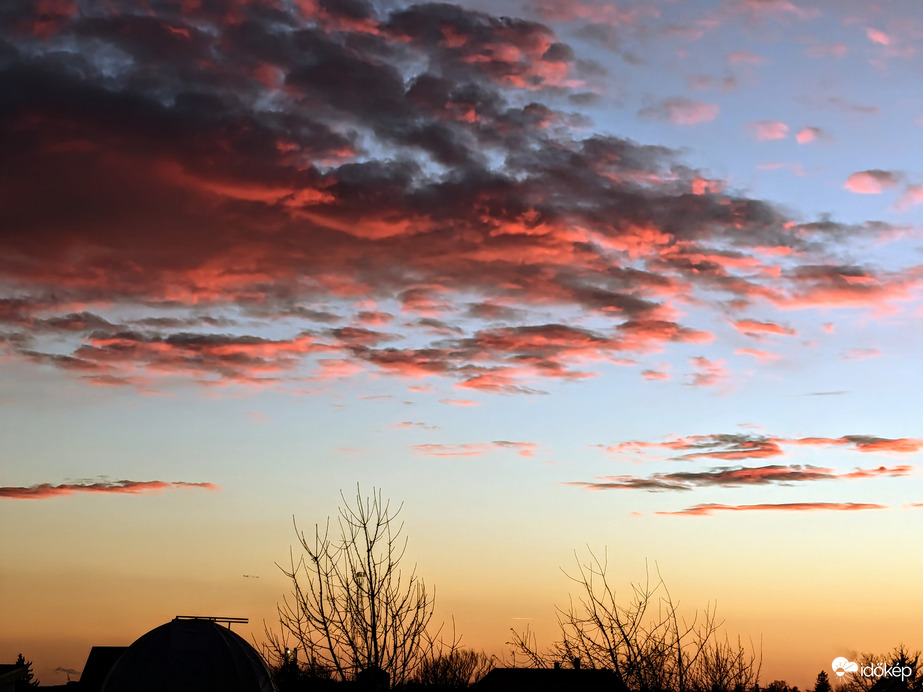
<point>841,666</point>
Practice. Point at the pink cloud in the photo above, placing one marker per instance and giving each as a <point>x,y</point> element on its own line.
<point>655,375</point>
<point>705,510</point>
<point>778,8</point>
<point>756,353</point>
<point>701,186</point>
<point>865,443</point>
<point>373,318</point>
<point>46,490</point>
<point>756,328</point>
<point>257,417</point>
<point>807,134</point>
<point>523,449</point>
<point>893,472</point>
<point>643,335</point>
<point>769,129</point>
<point>707,373</point>
<point>597,13</point>
<point>459,402</point>
<point>911,197</point>
<point>744,56</point>
<point>681,111</point>
<point>879,37</point>
<point>856,353</point>
<point>871,182</point>
<point>331,368</point>
<point>832,286</point>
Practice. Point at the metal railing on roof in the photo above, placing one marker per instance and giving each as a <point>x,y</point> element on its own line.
<point>229,621</point>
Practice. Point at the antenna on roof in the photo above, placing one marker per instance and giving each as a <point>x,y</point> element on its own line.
<point>229,621</point>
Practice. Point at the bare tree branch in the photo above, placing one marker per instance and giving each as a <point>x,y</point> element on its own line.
<point>646,642</point>
<point>351,608</point>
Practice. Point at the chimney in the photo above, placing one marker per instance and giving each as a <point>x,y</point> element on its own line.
<point>577,663</point>
<point>557,665</point>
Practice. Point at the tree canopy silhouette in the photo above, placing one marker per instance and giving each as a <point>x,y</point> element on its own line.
<point>29,681</point>
<point>822,684</point>
<point>452,668</point>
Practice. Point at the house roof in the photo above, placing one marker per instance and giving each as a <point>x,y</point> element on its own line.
<point>11,672</point>
<point>100,661</point>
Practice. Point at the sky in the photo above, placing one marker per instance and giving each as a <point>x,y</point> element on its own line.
<point>641,278</point>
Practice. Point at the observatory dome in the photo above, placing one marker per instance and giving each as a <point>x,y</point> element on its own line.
<point>189,655</point>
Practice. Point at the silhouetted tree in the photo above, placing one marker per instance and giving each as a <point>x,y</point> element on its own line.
<point>822,684</point>
<point>452,668</point>
<point>778,686</point>
<point>351,607</point>
<point>645,640</point>
<point>29,680</point>
<point>725,666</point>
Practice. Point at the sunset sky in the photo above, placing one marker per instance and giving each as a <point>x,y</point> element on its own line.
<point>641,276</point>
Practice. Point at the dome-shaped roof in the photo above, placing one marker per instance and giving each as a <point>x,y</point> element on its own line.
<point>189,656</point>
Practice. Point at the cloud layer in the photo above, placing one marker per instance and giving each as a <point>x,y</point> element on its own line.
<point>737,446</point>
<point>44,491</point>
<point>706,510</point>
<point>251,194</point>
<point>735,477</point>
<point>740,447</point>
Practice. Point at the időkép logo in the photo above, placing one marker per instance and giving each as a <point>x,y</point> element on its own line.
<point>841,666</point>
